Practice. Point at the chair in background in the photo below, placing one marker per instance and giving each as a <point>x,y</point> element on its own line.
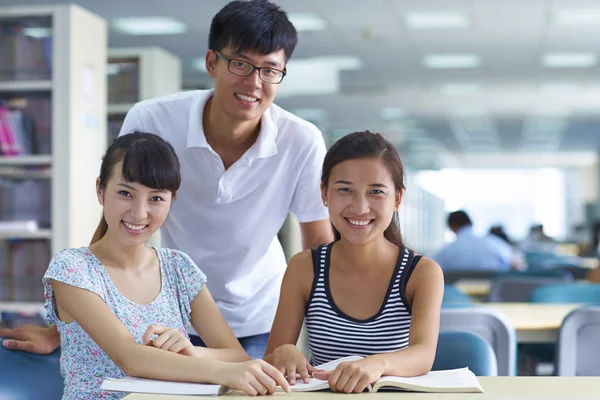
<point>577,351</point>
<point>540,273</point>
<point>453,297</point>
<point>459,349</point>
<point>25,376</point>
<point>578,273</point>
<point>517,289</point>
<point>454,276</point>
<point>588,293</point>
<point>585,293</point>
<point>491,325</point>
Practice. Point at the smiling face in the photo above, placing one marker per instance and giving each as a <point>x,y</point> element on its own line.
<point>132,211</point>
<point>243,98</point>
<point>361,197</point>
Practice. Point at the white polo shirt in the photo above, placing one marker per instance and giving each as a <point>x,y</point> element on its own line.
<point>228,220</point>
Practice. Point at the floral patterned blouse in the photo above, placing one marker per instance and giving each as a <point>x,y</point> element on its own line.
<point>83,364</point>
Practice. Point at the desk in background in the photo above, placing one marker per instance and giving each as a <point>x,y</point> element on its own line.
<point>479,288</point>
<point>496,388</point>
<point>535,322</point>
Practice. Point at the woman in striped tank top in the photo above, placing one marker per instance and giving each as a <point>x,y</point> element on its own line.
<point>365,294</point>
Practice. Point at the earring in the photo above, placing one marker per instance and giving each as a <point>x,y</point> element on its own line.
<point>325,202</point>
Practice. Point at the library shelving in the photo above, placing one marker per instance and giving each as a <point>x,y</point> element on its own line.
<point>52,136</point>
<point>136,74</point>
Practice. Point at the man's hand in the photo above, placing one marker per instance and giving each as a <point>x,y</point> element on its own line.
<point>31,338</point>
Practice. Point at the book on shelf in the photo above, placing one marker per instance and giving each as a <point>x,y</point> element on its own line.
<point>460,380</point>
<point>152,386</point>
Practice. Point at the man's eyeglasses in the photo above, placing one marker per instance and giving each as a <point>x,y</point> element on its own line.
<point>244,68</point>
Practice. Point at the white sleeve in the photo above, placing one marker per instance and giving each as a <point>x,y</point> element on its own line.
<point>307,205</point>
<point>135,120</point>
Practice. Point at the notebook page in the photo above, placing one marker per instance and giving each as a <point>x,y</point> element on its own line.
<point>313,385</point>
<point>448,379</point>
<point>331,365</point>
<point>139,385</point>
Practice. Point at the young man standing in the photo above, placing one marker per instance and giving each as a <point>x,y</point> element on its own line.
<point>245,164</point>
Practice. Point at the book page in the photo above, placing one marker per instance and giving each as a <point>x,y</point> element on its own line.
<point>455,380</point>
<point>139,385</point>
<point>314,385</point>
<point>331,365</point>
<point>317,384</point>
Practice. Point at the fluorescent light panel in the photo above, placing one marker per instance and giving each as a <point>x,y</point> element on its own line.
<point>149,26</point>
<point>559,87</point>
<point>577,17</point>
<point>436,20</point>
<point>344,63</point>
<point>307,22</point>
<point>439,61</point>
<point>392,114</point>
<point>460,89</point>
<point>569,60</point>
<point>310,114</point>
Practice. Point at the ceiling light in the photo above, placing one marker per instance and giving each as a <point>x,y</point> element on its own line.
<point>343,63</point>
<point>559,87</point>
<point>307,22</point>
<point>437,61</point>
<point>310,114</point>
<point>577,17</point>
<point>436,20</point>
<point>569,60</point>
<point>471,112</point>
<point>392,114</point>
<point>149,26</point>
<point>460,89</point>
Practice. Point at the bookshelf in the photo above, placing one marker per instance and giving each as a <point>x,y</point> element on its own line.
<point>136,74</point>
<point>53,94</point>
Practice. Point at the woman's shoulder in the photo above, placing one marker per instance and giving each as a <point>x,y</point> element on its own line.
<point>74,257</point>
<point>173,255</point>
<point>178,261</point>
<point>300,268</point>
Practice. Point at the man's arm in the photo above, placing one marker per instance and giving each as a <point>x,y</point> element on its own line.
<point>31,338</point>
<point>316,233</point>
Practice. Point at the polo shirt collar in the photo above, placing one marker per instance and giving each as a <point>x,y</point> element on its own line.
<point>265,145</point>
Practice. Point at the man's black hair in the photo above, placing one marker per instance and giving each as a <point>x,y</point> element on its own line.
<point>256,26</point>
<point>459,219</point>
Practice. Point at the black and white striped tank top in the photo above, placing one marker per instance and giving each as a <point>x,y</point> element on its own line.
<point>333,334</point>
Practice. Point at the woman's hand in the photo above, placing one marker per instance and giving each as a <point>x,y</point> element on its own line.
<point>169,339</point>
<point>353,376</point>
<point>256,377</point>
<point>289,360</point>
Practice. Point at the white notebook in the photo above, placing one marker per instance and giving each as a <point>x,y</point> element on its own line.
<point>460,380</point>
<point>139,385</point>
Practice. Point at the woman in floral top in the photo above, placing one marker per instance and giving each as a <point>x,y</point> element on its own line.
<point>122,308</point>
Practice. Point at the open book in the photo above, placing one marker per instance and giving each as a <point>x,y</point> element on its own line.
<point>460,380</point>
<point>139,385</point>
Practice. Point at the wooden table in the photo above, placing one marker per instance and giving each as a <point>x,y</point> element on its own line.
<point>474,287</point>
<point>496,388</point>
<point>535,322</point>
<point>480,288</point>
